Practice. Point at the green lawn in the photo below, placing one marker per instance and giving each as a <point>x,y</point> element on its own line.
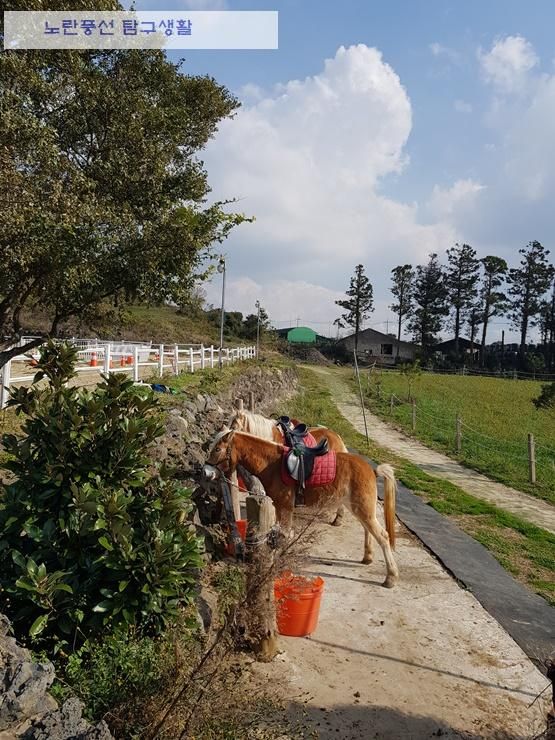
<point>496,414</point>
<point>526,551</point>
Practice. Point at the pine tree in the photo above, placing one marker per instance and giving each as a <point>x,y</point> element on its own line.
<point>493,301</point>
<point>527,286</point>
<point>461,280</point>
<point>430,303</point>
<point>402,289</point>
<point>360,303</point>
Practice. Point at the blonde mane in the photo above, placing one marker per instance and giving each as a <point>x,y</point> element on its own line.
<point>255,424</point>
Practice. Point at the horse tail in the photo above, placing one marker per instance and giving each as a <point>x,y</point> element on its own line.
<point>389,489</point>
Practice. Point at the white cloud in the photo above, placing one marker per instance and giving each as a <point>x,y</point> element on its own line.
<point>507,65</point>
<point>439,50</point>
<point>462,194</point>
<point>307,161</point>
<point>462,107</point>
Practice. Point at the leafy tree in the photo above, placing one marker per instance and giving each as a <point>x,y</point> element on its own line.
<point>251,322</point>
<point>493,301</point>
<point>461,279</point>
<point>547,326</point>
<point>92,536</point>
<point>360,303</point>
<point>430,303</point>
<point>412,371</point>
<point>402,289</point>
<point>102,191</point>
<point>527,286</point>
<point>474,319</point>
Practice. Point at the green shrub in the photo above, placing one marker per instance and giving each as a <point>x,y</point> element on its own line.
<point>546,399</point>
<point>119,671</point>
<point>92,535</point>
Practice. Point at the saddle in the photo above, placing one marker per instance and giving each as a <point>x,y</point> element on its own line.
<point>299,460</point>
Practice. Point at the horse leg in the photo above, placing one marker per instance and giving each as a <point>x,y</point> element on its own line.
<point>373,527</point>
<point>368,556</point>
<point>338,521</point>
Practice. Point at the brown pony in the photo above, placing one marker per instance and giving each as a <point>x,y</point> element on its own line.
<point>261,426</point>
<point>354,485</point>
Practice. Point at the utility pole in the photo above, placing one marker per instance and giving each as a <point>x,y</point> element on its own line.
<point>257,304</point>
<point>221,269</point>
<point>503,349</point>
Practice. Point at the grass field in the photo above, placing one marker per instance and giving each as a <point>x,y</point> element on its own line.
<point>525,550</point>
<point>496,414</point>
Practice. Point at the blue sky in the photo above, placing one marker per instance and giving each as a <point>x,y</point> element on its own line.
<point>433,125</point>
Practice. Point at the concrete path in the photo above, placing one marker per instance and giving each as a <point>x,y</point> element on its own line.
<point>531,509</point>
<point>421,660</point>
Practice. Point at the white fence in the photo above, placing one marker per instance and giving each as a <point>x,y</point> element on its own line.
<point>96,356</point>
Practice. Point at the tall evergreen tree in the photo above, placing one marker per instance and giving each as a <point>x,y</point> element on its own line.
<point>360,303</point>
<point>430,303</point>
<point>493,301</point>
<point>402,289</point>
<point>547,325</point>
<point>461,280</point>
<point>474,318</point>
<point>527,286</point>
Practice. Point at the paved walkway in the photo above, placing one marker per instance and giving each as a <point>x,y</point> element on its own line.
<point>531,509</point>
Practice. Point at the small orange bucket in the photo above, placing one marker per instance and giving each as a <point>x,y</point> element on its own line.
<point>242,529</point>
<point>129,360</point>
<point>298,604</point>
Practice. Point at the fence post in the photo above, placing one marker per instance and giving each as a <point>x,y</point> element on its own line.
<point>202,356</point>
<point>161,360</point>
<point>251,401</point>
<point>107,358</point>
<point>191,360</point>
<point>531,458</point>
<point>391,404</point>
<point>261,609</point>
<point>5,383</point>
<point>211,355</point>
<point>227,355</point>
<point>239,404</point>
<point>459,435</point>
<point>176,359</point>
<point>413,415</point>
<point>135,363</point>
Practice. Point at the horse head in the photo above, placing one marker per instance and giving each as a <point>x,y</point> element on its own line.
<point>221,450</point>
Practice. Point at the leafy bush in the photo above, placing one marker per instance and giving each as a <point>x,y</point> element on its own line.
<point>546,399</point>
<point>92,535</point>
<point>119,671</point>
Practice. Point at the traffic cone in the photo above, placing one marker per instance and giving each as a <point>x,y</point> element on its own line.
<point>93,362</point>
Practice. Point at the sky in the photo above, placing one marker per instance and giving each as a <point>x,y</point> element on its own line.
<point>379,132</point>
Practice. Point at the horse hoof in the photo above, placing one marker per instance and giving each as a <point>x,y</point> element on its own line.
<point>390,581</point>
<point>367,561</point>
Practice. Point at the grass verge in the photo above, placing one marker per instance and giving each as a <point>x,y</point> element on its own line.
<point>496,414</point>
<point>525,550</point>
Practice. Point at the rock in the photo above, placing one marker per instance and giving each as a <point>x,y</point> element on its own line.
<point>23,684</point>
<point>177,424</point>
<point>67,723</point>
<point>207,607</point>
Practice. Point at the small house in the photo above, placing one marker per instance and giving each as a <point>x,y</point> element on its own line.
<point>382,348</point>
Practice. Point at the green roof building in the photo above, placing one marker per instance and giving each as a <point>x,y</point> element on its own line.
<point>301,335</point>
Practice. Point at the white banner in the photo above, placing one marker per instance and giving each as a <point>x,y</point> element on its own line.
<point>207,29</point>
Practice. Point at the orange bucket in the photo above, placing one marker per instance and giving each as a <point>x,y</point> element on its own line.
<point>242,529</point>
<point>298,604</point>
<point>129,359</point>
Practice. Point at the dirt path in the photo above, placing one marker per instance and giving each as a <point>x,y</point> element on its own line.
<point>418,661</point>
<point>527,507</point>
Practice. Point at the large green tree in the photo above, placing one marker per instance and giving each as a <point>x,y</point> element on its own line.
<point>360,302</point>
<point>528,283</point>
<point>430,303</point>
<point>402,280</point>
<point>461,279</point>
<point>102,190</point>
<point>492,300</point>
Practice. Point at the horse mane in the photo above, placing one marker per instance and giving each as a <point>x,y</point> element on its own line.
<point>255,424</point>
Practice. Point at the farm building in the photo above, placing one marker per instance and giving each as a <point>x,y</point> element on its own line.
<point>299,335</point>
<point>466,347</point>
<point>374,345</point>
